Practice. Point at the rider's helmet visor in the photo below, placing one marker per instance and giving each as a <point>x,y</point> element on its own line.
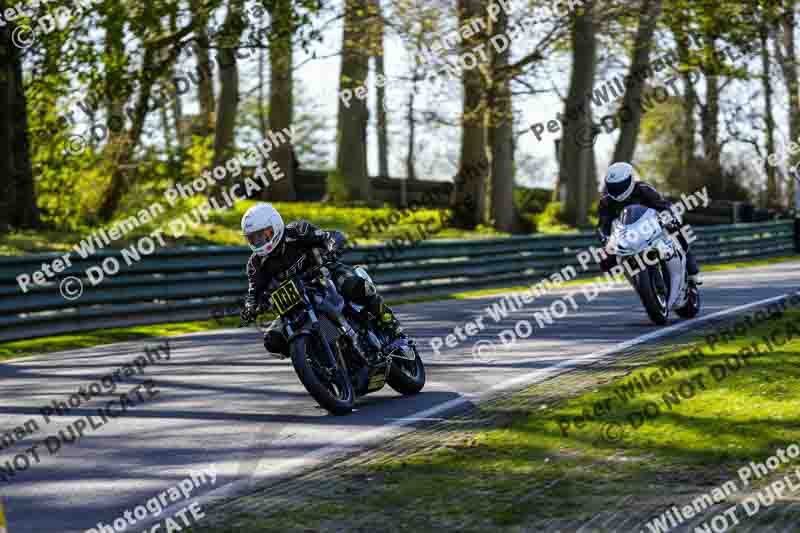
<point>619,188</point>
<point>261,237</point>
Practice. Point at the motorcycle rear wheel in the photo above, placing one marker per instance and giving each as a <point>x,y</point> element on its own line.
<point>331,388</point>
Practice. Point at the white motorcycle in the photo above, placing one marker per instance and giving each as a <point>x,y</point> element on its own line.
<point>656,264</point>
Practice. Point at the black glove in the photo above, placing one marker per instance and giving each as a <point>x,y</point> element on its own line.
<point>672,226</point>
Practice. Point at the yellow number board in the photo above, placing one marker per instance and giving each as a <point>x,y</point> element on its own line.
<point>286,297</point>
<point>3,524</point>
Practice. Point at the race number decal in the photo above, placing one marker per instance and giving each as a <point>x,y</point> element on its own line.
<point>3,524</point>
<point>285,298</point>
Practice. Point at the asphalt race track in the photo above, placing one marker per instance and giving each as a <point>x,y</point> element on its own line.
<point>222,401</point>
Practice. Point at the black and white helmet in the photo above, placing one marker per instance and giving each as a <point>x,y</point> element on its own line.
<point>620,181</point>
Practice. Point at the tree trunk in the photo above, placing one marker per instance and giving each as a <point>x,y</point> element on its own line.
<point>469,201</point>
<point>204,72</point>
<point>383,136</point>
<point>686,138</point>
<point>228,104</point>
<point>411,174</point>
<point>709,116</point>
<point>380,98</point>
<point>501,135</point>
<point>177,104</point>
<point>17,193</point>
<point>166,127</point>
<point>351,160</point>
<point>559,188</point>
<point>629,131</point>
<point>124,152</point>
<point>772,200</point>
<point>576,154</point>
<point>592,192</point>
<point>281,101</point>
<point>788,62</point>
<point>115,104</point>
<point>262,104</point>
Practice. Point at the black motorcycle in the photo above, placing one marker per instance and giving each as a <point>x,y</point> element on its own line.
<point>336,351</point>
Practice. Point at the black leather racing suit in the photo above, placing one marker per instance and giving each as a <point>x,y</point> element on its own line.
<point>643,194</point>
<point>295,254</point>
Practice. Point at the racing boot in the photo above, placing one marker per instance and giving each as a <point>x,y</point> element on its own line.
<point>387,323</point>
<point>694,281</point>
<point>692,271</point>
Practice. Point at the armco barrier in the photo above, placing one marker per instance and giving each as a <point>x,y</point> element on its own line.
<point>184,284</point>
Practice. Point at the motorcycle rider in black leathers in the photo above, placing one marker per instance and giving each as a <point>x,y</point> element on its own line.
<point>622,189</point>
<point>281,252</point>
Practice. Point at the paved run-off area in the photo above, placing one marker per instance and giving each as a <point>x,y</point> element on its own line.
<point>221,401</point>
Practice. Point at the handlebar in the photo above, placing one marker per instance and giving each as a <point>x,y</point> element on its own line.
<point>314,272</point>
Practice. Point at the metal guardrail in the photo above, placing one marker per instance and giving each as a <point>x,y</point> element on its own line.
<point>183,284</point>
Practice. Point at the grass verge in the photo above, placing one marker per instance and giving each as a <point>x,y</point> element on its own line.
<point>363,225</point>
<point>521,472</point>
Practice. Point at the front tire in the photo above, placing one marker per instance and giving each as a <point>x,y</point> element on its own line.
<point>407,377</point>
<point>654,302</point>
<point>331,388</point>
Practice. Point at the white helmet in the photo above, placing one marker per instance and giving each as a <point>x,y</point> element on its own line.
<point>262,226</point>
<point>620,181</point>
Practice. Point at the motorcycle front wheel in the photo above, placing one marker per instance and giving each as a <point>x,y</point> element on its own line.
<point>653,298</point>
<point>407,377</point>
<point>330,387</point>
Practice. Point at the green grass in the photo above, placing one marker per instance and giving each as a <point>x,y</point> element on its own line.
<point>524,469</point>
<point>222,228</point>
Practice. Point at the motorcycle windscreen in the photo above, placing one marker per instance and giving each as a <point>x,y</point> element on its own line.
<point>635,229</point>
<point>632,214</point>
